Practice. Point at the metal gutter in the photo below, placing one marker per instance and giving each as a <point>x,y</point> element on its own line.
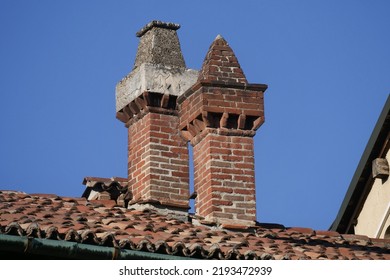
<point>357,190</point>
<point>72,250</point>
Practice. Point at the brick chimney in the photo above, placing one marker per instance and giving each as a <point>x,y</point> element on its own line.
<point>219,115</point>
<point>146,98</point>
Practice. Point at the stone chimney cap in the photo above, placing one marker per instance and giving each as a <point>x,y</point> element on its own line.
<point>157,23</point>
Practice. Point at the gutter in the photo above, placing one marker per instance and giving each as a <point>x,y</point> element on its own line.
<point>72,250</point>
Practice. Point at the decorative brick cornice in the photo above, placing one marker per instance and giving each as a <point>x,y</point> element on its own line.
<point>200,134</point>
<point>232,110</point>
<point>145,103</point>
<point>220,84</point>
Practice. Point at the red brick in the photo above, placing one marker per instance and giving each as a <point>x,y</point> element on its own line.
<point>244,191</point>
<point>149,139</point>
<point>222,176</point>
<point>245,205</point>
<point>233,197</point>
<point>223,189</point>
<point>223,215</point>
<point>246,217</point>
<point>234,211</point>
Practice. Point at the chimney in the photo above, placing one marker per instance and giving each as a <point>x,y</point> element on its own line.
<point>219,115</point>
<point>158,174</point>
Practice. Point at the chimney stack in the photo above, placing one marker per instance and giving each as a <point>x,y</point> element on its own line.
<point>146,99</point>
<point>164,105</point>
<point>219,115</point>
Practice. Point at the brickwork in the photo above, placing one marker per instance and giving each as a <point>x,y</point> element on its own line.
<point>219,115</point>
<point>221,64</point>
<point>225,179</point>
<point>240,110</point>
<point>146,102</point>
<point>158,161</point>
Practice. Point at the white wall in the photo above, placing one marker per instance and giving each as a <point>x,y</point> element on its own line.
<point>374,218</point>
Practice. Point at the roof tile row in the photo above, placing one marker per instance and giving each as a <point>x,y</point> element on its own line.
<point>103,223</point>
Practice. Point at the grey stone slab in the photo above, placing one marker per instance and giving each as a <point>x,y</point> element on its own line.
<point>380,168</point>
<point>154,78</point>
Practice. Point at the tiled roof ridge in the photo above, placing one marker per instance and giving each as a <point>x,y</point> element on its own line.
<point>106,224</point>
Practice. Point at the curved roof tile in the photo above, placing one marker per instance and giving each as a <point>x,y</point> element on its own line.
<point>106,224</point>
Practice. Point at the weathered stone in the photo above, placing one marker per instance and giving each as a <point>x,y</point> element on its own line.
<point>159,44</point>
<point>154,78</point>
<point>380,168</point>
<point>159,65</point>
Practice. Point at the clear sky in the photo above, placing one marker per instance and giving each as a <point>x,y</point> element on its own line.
<point>327,64</point>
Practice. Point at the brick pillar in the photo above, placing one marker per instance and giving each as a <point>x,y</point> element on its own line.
<point>158,161</point>
<point>146,98</point>
<point>224,178</point>
<point>219,116</point>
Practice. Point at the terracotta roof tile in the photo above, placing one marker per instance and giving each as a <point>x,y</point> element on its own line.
<point>326,233</point>
<point>105,224</point>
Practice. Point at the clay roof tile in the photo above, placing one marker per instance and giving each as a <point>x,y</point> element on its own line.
<point>105,224</point>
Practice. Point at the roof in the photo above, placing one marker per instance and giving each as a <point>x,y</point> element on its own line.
<point>104,224</point>
<point>359,189</point>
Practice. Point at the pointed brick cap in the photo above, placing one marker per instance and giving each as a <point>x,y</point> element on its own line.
<point>221,64</point>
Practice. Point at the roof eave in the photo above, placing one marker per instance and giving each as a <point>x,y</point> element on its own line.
<point>72,250</point>
<point>357,188</point>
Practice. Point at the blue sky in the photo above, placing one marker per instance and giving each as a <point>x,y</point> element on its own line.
<point>327,65</point>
